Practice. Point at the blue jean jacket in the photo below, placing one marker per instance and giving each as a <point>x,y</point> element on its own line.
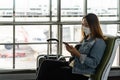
<point>91,52</point>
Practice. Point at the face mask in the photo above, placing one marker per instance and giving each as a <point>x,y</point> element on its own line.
<point>86,30</point>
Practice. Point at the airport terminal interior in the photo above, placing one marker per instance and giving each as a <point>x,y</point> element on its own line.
<point>26,25</point>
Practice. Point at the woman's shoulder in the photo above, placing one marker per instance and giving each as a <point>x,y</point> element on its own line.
<point>100,41</point>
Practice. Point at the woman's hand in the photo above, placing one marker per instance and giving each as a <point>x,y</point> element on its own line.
<point>72,50</point>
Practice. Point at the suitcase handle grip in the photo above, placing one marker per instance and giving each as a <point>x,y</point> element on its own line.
<point>53,40</point>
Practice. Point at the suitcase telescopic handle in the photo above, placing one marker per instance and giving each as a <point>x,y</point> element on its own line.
<point>53,40</point>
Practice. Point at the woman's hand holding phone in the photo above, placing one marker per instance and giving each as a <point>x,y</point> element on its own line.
<point>71,49</point>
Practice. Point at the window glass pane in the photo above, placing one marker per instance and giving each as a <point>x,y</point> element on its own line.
<point>6,34</point>
<point>6,59</point>
<point>54,31</point>
<point>6,10</point>
<point>71,33</point>
<point>6,53</point>
<point>104,11</point>
<point>54,10</point>
<point>71,11</point>
<point>32,10</point>
<point>31,33</point>
<point>109,29</point>
<point>26,55</point>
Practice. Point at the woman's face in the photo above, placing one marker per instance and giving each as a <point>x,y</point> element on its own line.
<point>84,23</point>
<point>85,27</point>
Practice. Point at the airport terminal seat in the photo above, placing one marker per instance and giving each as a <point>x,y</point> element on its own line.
<point>104,67</point>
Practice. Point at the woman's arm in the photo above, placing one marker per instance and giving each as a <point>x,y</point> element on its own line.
<point>96,54</point>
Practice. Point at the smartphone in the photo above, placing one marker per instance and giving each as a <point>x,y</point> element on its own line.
<point>66,43</point>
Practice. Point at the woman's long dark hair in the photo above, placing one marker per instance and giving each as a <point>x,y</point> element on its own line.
<point>94,25</point>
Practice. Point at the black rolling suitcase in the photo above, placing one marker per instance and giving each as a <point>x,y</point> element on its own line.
<point>50,55</point>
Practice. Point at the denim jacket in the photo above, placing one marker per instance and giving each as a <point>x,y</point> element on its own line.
<point>91,52</point>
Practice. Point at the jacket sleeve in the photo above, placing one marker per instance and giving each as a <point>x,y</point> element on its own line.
<point>96,54</point>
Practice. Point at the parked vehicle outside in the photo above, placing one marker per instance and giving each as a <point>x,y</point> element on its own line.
<point>10,55</point>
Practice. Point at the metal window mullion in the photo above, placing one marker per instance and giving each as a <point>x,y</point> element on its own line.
<point>50,28</point>
<point>59,26</point>
<point>13,34</point>
<point>56,23</point>
<point>60,38</point>
<point>118,13</point>
<point>84,7</point>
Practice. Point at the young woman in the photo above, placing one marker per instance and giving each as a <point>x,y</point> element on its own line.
<point>86,55</point>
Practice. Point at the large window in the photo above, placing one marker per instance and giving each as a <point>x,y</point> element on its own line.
<point>25,26</point>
